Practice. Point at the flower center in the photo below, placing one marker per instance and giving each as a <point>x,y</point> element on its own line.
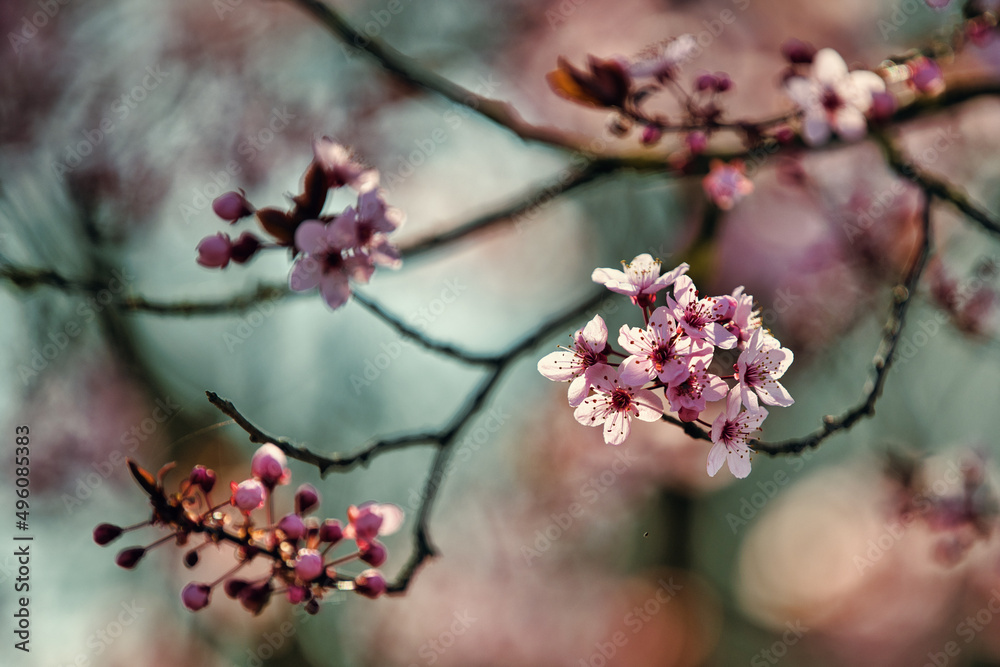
<point>621,400</point>
<point>830,100</point>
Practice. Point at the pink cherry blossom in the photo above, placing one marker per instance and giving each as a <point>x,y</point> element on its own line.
<point>231,206</point>
<point>324,262</point>
<point>269,465</point>
<point>699,318</point>
<point>758,369</point>
<point>726,184</point>
<point>573,365</point>
<point>688,398</point>
<point>340,167</point>
<point>731,432</point>
<point>614,405</point>
<point>659,351</point>
<point>832,98</point>
<point>641,277</point>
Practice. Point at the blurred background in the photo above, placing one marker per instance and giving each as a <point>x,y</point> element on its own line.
<point>120,121</point>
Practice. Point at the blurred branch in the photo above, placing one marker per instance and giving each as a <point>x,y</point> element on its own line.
<point>902,297</point>
<point>411,72</point>
<point>936,186</point>
<point>444,439</point>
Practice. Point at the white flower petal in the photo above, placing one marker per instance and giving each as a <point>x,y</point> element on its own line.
<point>616,428</point>
<point>739,462</point>
<point>815,128</point>
<point>716,457</point>
<point>851,123</point>
<point>828,66</point>
<point>560,366</point>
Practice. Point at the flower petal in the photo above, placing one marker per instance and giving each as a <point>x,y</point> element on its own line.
<point>306,273</point>
<point>648,404</point>
<point>739,462</point>
<point>617,428</point>
<point>335,289</point>
<point>310,237</point>
<point>716,457</point>
<point>560,366</point>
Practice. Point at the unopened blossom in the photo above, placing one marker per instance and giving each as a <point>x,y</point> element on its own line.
<point>641,278</point>
<point>292,526</point>
<point>324,264</point>
<point>572,365</point>
<point>832,98</point>
<point>689,398</point>
<point>308,564</point>
<point>744,319</point>
<point>700,318</point>
<point>662,61</point>
<point>726,184</point>
<point>604,83</point>
<point>615,404</point>
<point>196,596</point>
<point>758,369</point>
<point>659,352</point>
<point>215,252</point>
<point>368,520</point>
<point>232,206</point>
<point>370,583</point>
<point>306,499</point>
<point>925,76</point>
<point>248,495</point>
<point>269,465</point>
<point>341,168</point>
<point>731,433</point>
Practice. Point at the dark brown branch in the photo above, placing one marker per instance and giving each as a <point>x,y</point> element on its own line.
<point>902,296</point>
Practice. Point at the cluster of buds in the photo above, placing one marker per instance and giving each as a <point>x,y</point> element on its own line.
<point>674,352</point>
<point>330,250</point>
<point>625,85</point>
<point>297,546</point>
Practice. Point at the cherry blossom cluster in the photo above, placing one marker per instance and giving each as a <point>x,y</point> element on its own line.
<point>676,352</point>
<point>296,546</point>
<point>330,251</point>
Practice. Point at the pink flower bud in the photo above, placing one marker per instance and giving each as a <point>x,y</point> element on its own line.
<point>248,495</point>
<point>129,558</point>
<point>306,499</point>
<point>214,252</point>
<point>798,52</point>
<point>370,583</point>
<point>297,594</point>
<point>883,106</point>
<point>651,135</point>
<point>373,553</point>
<point>308,564</point>
<point>196,596</point>
<point>292,526</point>
<point>331,531</point>
<point>203,477</point>
<point>268,465</point>
<point>696,141</point>
<point>723,82</point>
<point>106,533</point>
<point>232,206</point>
<point>705,81</point>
